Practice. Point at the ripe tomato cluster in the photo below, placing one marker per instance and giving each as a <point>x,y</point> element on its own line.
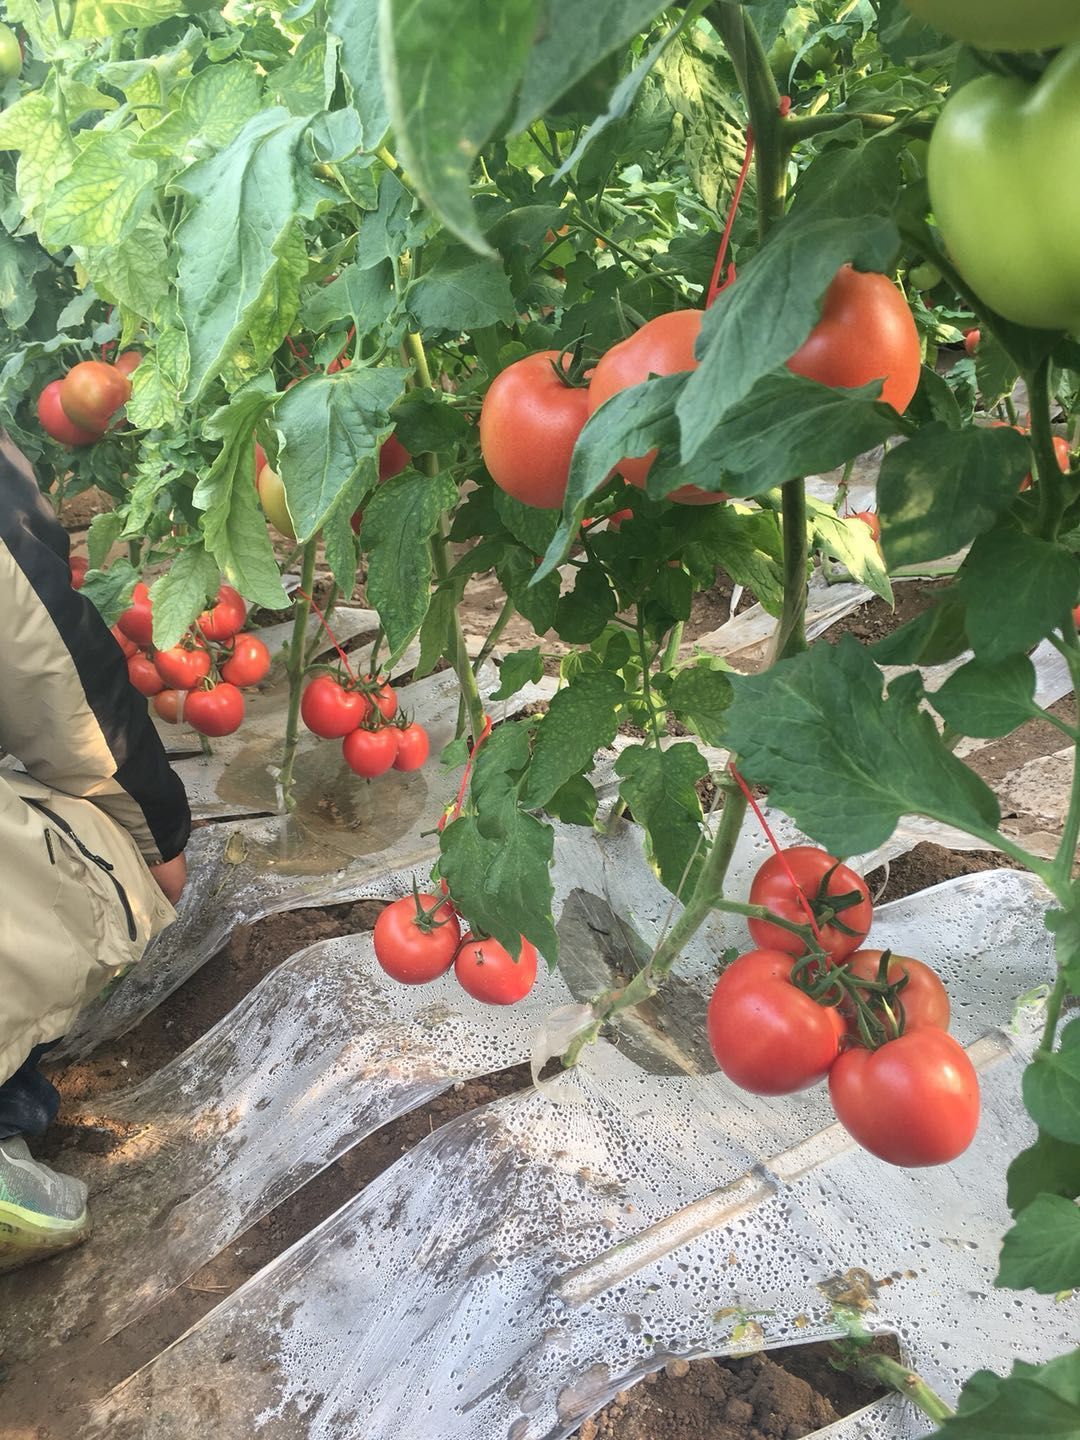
<point>419,937</point>
<point>363,715</point>
<point>536,408</point>
<point>76,410</point>
<point>200,679</point>
<point>790,1013</point>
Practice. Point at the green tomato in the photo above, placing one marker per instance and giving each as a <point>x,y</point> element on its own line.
<point>271,490</point>
<point>1003,24</point>
<point>10,52</point>
<point>925,276</point>
<point>1003,162</point>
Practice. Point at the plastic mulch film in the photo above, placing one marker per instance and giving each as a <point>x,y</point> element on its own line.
<point>524,1263</point>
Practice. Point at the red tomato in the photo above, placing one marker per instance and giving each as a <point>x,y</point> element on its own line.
<point>924,998</point>
<point>260,461</point>
<point>144,676</point>
<point>663,346</point>
<point>415,945</point>
<point>529,424</point>
<point>1061,450</point>
<point>137,622</point>
<point>913,1102</point>
<point>331,711</point>
<point>217,711</point>
<point>866,332</point>
<point>183,666</point>
<point>248,662</point>
<point>127,646</point>
<point>169,704</point>
<point>615,521</point>
<point>972,339</point>
<point>225,616</point>
<point>384,698</point>
<point>871,518</point>
<point>393,458</point>
<point>370,752</point>
<point>128,362</point>
<point>823,881</point>
<point>414,747</point>
<point>341,363</point>
<point>56,424</point>
<point>78,565</point>
<point>92,392</point>
<point>767,1035</point>
<point>490,973</point>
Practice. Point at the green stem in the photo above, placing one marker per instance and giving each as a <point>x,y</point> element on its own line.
<point>797,128</point>
<point>646,683</point>
<point>906,1383</point>
<point>791,631</point>
<point>1053,486</point>
<point>494,634</point>
<point>671,649</point>
<point>762,912</point>
<point>317,640</point>
<point>1054,1003</point>
<point>295,670</point>
<point>743,44</point>
<point>639,260</point>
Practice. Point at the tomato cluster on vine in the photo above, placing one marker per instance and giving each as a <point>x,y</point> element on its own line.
<point>810,1004</point>
<point>420,937</point>
<point>78,409</point>
<point>363,715</point>
<point>199,680</point>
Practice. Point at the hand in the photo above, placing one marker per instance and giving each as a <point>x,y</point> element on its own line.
<point>171,876</point>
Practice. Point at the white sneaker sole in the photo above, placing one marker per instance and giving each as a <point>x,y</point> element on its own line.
<point>27,1236</point>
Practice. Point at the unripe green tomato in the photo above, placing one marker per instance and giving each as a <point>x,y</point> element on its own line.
<point>10,52</point>
<point>925,276</point>
<point>271,490</point>
<point>1003,24</point>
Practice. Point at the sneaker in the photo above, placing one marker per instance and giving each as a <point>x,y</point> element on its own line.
<point>41,1212</point>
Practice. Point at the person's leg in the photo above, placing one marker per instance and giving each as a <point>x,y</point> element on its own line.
<point>28,1099</point>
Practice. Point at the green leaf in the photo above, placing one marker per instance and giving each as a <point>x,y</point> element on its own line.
<point>995,370</point>
<point>574,803</point>
<point>110,590</point>
<point>364,295</point>
<point>424,423</point>
<point>214,106</point>
<point>448,88</point>
<point>305,83</point>
<point>523,667</point>
<point>850,541</point>
<point>1017,588</point>
<point>155,394</point>
<point>244,202</point>
<point>437,629</point>
<point>581,719</point>
<point>988,700</point>
<point>700,696</point>
<point>98,18</point>
<point>356,24</point>
<point>463,292</point>
<point>399,521</point>
<point>1052,1087</point>
<point>1042,1250</point>
<point>581,614</point>
<point>530,526</point>
<point>848,785</point>
<point>1041,1400</point>
<point>944,487</point>
<point>748,545</point>
<point>714,139</point>
<point>539,604</point>
<point>1064,925</point>
<point>339,540</point>
<point>100,199</point>
<point>659,787</point>
<point>755,327</point>
<point>859,179</point>
<point>932,638</point>
<point>134,273</point>
<point>456,753</point>
<point>329,425</point>
<point>182,592</point>
<point>102,536</point>
<point>498,868</point>
<point>1049,1167</point>
<point>34,127</point>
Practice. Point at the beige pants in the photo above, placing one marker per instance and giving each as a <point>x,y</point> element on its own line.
<point>68,923</point>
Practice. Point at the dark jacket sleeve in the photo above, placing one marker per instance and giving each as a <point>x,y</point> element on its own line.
<point>68,711</point>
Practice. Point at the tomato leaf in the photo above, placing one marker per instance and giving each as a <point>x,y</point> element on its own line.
<point>522,667</point>
<point>462,292</point>
<point>748,545</point>
<point>1064,925</point>
<point>1017,588</point>
<point>530,526</point>
<point>110,590</point>
<point>448,88</point>
<point>581,719</point>
<point>943,487</point>
<point>34,128</point>
<point>1042,1250</point>
<point>102,536</point>
<point>700,696</point>
<point>329,425</point>
<point>988,700</point>
<point>582,613</point>
<point>96,18</point>
<point>574,803</point>
<point>754,327</point>
<point>182,592</point>
<point>100,199</point>
<point>859,179</point>
<point>438,626</point>
<point>1052,1087</point>
<point>498,867</point>
<point>1032,1400</point>
<point>1049,1167</point>
<point>851,542</point>
<point>847,786</point>
<point>659,787</point>
<point>399,521</point>
<point>931,638</point>
<point>214,105</point>
<point>356,24</point>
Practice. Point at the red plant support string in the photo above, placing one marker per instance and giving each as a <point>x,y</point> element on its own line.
<point>803,901</point>
<point>326,627</point>
<point>715,285</point>
<point>300,358</point>
<point>456,810</point>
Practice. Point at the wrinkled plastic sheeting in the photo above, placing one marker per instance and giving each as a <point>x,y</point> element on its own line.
<point>511,1273</point>
<point>744,639</point>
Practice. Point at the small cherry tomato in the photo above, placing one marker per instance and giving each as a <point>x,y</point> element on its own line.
<point>767,1035</point>
<point>216,711</point>
<point>183,666</point>
<point>414,747</point>
<point>615,521</point>
<point>225,616</point>
<point>490,973</point>
<point>144,676</point>
<point>393,458</point>
<point>248,662</point>
<point>331,711</point>
<point>871,519</point>
<point>416,938</point>
<point>838,897</point>
<point>370,752</point>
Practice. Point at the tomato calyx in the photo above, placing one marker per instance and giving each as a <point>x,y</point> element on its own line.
<point>828,909</point>
<point>875,1004</point>
<point>572,369</point>
<point>427,920</point>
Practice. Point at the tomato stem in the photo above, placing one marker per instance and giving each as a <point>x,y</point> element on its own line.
<point>1053,484</point>
<point>296,669</point>
<point>906,1382</point>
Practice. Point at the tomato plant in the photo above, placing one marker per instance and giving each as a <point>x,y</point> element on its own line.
<point>491,974</point>
<point>802,877</point>
<point>416,938</point>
